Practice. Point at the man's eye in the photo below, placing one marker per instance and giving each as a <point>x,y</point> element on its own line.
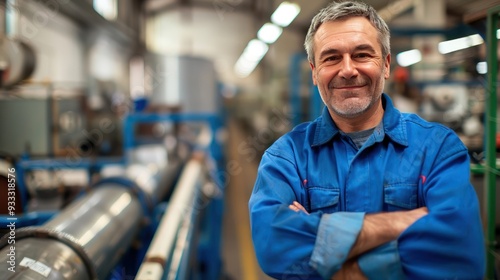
<point>331,58</point>
<point>362,55</point>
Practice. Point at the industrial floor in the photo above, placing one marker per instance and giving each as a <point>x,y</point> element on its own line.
<point>239,262</point>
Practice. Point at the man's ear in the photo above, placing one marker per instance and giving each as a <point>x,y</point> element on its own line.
<point>387,62</point>
<point>312,73</point>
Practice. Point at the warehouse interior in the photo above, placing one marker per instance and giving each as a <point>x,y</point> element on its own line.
<point>131,131</point>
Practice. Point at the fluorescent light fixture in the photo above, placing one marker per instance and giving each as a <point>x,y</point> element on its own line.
<point>250,58</point>
<point>106,8</point>
<point>285,13</point>
<point>269,33</point>
<point>460,43</point>
<point>408,58</point>
<point>244,68</point>
<point>255,50</point>
<point>482,67</point>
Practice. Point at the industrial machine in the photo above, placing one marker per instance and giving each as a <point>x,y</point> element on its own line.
<point>151,211</point>
<point>105,232</point>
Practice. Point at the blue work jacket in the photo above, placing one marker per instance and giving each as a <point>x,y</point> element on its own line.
<point>406,163</point>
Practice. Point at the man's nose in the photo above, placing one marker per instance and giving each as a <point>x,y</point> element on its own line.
<point>348,68</point>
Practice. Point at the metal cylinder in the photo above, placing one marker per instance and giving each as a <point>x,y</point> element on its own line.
<point>93,232</point>
<point>152,171</point>
<point>183,81</point>
<point>100,226</point>
<point>104,223</point>
<point>47,254</point>
<point>17,61</point>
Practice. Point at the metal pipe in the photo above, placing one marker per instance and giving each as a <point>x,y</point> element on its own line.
<point>100,226</point>
<point>94,231</point>
<point>185,245</point>
<point>104,223</point>
<point>180,207</point>
<point>46,254</point>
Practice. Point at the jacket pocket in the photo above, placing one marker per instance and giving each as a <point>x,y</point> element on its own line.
<point>324,199</point>
<point>400,197</point>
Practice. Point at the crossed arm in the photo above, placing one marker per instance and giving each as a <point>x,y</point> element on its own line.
<point>377,229</point>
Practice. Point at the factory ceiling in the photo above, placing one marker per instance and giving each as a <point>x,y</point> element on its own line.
<point>469,10</point>
<point>228,40</point>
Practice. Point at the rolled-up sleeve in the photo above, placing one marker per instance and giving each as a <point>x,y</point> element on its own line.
<point>337,233</point>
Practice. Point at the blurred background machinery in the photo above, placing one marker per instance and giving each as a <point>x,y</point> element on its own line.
<point>92,172</point>
<point>127,127</point>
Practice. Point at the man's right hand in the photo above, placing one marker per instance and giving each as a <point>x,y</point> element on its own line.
<point>295,206</point>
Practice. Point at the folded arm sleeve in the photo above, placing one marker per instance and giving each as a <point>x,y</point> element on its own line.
<point>336,235</point>
<point>447,243</point>
<point>285,240</point>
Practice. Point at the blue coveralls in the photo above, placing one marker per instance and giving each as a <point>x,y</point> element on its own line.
<point>406,163</point>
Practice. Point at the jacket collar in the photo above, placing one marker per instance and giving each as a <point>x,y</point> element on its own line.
<point>392,124</point>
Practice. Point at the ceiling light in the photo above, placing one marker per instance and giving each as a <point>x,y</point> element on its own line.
<point>285,13</point>
<point>460,43</point>
<point>408,58</point>
<point>269,33</point>
<point>244,68</point>
<point>250,58</point>
<point>255,50</point>
<point>106,8</point>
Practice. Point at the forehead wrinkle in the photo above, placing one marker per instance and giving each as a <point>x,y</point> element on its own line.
<point>356,29</point>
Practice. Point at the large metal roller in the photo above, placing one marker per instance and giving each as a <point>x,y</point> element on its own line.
<point>88,238</point>
<point>84,241</point>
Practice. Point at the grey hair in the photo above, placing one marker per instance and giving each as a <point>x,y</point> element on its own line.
<point>346,9</point>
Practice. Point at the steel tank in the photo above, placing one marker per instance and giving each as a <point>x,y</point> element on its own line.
<point>185,82</point>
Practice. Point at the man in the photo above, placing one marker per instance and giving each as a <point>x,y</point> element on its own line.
<point>364,191</point>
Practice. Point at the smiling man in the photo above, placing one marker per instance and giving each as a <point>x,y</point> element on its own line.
<point>364,191</point>
<point>350,71</point>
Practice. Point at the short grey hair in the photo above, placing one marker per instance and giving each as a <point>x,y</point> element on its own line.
<point>346,9</point>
